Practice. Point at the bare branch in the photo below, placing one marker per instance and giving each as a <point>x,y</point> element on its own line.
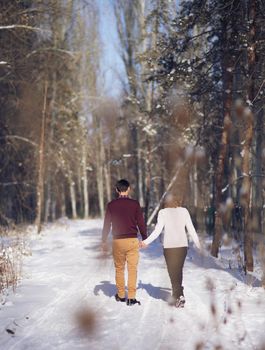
<point>70,53</point>
<point>22,26</point>
<point>170,185</point>
<point>19,138</point>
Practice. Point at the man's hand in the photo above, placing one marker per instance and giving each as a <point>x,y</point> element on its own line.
<point>104,247</point>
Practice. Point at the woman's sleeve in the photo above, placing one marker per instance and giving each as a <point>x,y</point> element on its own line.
<point>158,229</point>
<point>191,230</point>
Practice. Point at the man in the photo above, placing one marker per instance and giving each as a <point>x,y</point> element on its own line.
<point>125,217</point>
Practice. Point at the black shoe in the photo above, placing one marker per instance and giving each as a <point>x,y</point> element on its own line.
<point>119,299</point>
<point>131,302</point>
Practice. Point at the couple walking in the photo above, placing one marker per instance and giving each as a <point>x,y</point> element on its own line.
<point>124,217</point>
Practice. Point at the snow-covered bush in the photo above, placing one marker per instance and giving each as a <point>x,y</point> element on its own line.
<point>12,247</point>
<point>8,275</point>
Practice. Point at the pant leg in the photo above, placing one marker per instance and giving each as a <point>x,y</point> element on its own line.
<point>175,258</point>
<point>119,257</point>
<point>132,258</point>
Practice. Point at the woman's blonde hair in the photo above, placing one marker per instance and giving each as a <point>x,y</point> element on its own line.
<point>172,201</point>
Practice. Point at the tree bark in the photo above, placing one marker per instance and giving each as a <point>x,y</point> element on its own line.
<point>228,69</point>
<point>140,179</point>
<point>53,209</point>
<point>79,183</point>
<point>40,184</point>
<point>147,178</point>
<point>50,123</point>
<point>107,181</point>
<point>63,201</point>
<point>72,195</point>
<point>246,185</point>
<point>245,195</point>
<point>85,182</point>
<point>48,200</point>
<point>258,180</point>
<point>100,168</point>
<point>194,188</point>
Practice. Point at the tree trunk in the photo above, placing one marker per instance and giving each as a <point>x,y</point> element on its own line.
<point>53,209</point>
<point>195,183</point>
<point>79,187</point>
<point>40,184</point>
<point>107,181</point>
<point>147,179</point>
<point>140,177</point>
<point>246,185</point>
<point>85,182</point>
<point>100,169</point>
<point>63,201</point>
<point>245,195</point>
<point>228,68</point>
<point>258,179</point>
<point>100,186</point>
<point>49,137</point>
<point>72,195</point>
<point>48,198</point>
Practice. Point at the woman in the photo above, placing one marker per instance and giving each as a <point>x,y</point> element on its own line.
<point>176,221</point>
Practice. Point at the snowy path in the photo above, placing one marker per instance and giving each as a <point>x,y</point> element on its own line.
<point>65,271</point>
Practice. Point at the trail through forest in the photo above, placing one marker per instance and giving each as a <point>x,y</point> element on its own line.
<point>66,273</point>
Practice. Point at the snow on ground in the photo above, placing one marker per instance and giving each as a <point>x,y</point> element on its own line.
<point>65,272</point>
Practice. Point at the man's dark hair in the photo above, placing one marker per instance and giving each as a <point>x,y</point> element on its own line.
<point>122,185</point>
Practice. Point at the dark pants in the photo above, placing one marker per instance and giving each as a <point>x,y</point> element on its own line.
<point>175,258</point>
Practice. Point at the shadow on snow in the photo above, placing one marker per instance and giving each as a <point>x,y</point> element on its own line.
<point>91,232</point>
<point>109,290</point>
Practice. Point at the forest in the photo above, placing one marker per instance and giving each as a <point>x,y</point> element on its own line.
<point>188,118</point>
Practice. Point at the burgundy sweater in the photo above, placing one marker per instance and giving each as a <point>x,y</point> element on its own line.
<point>125,216</point>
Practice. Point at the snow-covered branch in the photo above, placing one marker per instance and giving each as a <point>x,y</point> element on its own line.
<point>22,26</point>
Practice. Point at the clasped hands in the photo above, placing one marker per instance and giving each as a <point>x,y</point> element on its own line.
<point>142,245</point>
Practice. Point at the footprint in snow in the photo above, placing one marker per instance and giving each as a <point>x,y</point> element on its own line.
<point>19,323</point>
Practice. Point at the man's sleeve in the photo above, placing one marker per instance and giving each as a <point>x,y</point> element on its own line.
<point>140,222</point>
<point>107,225</point>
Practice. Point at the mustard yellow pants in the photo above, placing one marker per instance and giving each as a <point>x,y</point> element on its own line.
<point>124,251</point>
